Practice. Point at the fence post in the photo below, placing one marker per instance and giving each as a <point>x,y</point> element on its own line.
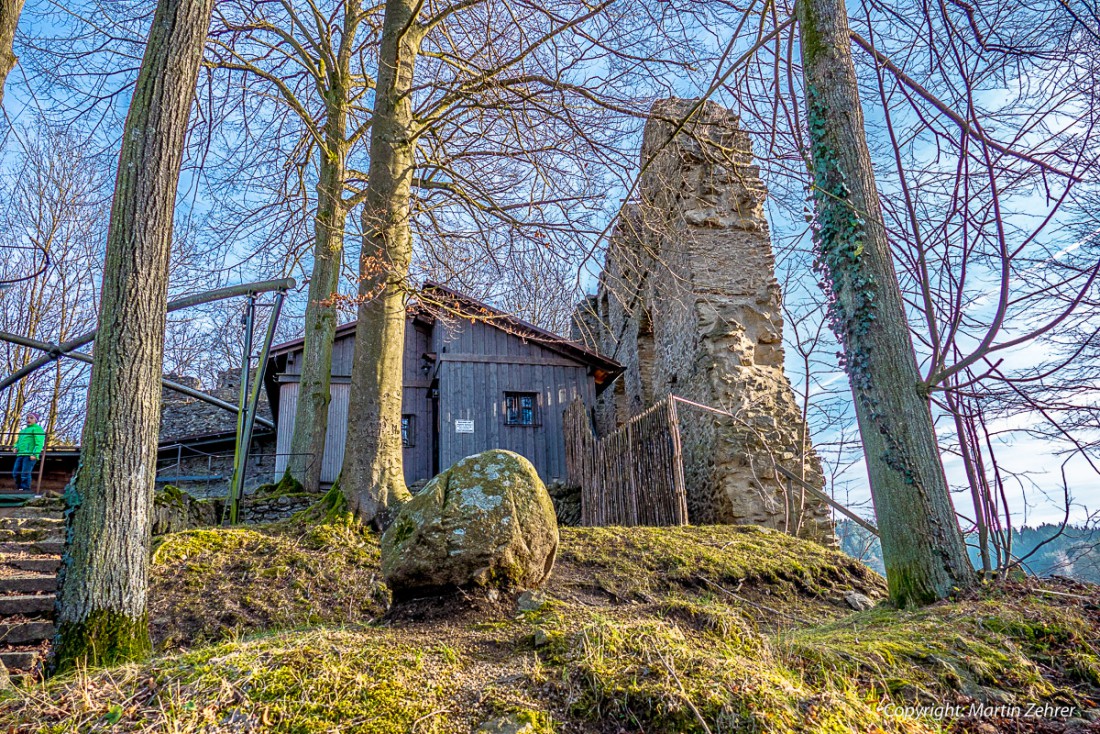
<point>679,483</point>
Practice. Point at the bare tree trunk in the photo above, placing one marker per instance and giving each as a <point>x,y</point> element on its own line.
<point>373,478</point>
<point>922,546</point>
<point>102,614</point>
<point>967,454</point>
<point>9,19</point>
<point>307,445</point>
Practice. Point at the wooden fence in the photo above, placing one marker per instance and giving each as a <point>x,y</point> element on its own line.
<point>634,476</point>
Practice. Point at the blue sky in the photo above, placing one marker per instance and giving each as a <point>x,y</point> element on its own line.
<point>1035,499</point>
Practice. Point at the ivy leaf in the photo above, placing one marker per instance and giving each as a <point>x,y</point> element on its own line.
<point>114,713</point>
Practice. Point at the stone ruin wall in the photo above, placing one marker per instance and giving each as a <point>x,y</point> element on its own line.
<point>689,304</point>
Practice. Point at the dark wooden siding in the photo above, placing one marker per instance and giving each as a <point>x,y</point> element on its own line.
<point>416,401</point>
<point>333,457</point>
<point>418,458</point>
<point>478,365</point>
<point>343,349</point>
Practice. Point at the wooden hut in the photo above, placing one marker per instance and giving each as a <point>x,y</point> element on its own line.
<point>476,378</point>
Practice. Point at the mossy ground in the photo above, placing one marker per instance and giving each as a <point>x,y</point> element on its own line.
<point>208,585</point>
<point>288,485</point>
<point>643,630</point>
<point>169,494</point>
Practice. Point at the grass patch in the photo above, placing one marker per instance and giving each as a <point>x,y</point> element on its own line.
<point>666,631</point>
<point>306,682</point>
<point>647,563</point>
<point>987,648</point>
<point>656,675</point>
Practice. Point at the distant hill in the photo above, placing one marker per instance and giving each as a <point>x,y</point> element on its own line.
<point>1075,553</point>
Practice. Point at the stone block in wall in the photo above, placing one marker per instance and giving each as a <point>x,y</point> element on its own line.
<point>175,511</point>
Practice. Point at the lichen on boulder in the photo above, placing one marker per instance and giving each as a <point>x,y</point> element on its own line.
<point>487,521</point>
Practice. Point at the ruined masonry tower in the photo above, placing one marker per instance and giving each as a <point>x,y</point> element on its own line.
<point>689,304</point>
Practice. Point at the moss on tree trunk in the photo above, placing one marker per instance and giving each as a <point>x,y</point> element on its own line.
<point>104,577</point>
<point>307,446</point>
<point>922,546</point>
<point>105,637</point>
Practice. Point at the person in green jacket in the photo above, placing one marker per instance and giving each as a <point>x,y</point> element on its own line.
<point>28,447</point>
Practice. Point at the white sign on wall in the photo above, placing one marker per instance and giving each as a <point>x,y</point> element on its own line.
<point>462,426</point>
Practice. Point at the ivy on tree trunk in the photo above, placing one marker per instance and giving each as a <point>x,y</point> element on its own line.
<point>922,547</point>
<point>102,616</point>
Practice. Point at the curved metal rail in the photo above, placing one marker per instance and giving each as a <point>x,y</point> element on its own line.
<point>56,351</point>
<point>170,384</point>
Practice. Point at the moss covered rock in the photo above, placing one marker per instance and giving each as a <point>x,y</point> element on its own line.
<point>175,511</point>
<point>486,521</point>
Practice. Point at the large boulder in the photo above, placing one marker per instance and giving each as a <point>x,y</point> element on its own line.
<point>486,521</point>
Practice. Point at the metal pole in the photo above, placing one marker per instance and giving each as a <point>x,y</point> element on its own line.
<point>254,400</point>
<point>219,294</point>
<point>42,464</point>
<point>170,384</point>
<point>246,368</point>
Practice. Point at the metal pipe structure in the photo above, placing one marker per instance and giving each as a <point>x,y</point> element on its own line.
<point>57,351</point>
<point>242,416</point>
<point>244,442</point>
<point>81,357</point>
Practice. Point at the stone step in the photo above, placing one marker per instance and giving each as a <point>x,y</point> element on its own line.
<point>27,584</point>
<point>34,565</point>
<point>37,522</point>
<point>29,605</point>
<point>33,512</point>
<point>26,633</point>
<point>35,548</point>
<point>48,502</point>
<point>19,659</point>
<point>25,535</point>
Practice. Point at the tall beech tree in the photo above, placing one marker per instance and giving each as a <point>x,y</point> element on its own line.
<point>373,472</point>
<point>488,148</point>
<point>492,145</point>
<point>102,613</point>
<point>922,546</point>
<point>312,63</point>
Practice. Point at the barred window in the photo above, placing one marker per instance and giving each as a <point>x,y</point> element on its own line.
<point>408,430</point>
<point>521,408</point>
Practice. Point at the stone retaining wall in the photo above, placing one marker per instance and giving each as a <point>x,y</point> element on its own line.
<point>272,509</point>
<point>175,510</point>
